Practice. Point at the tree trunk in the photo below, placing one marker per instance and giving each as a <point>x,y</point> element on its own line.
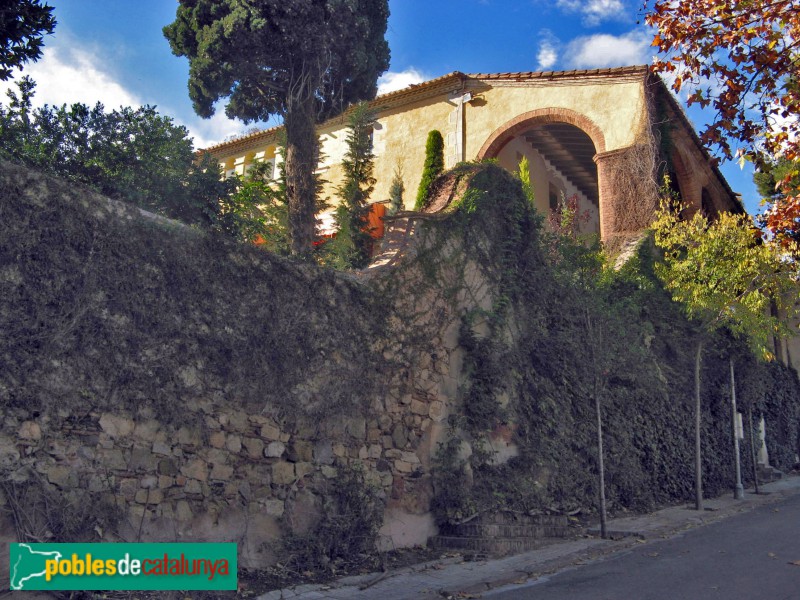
<point>601,463</point>
<point>300,164</point>
<point>698,456</point>
<point>738,490</point>
<point>753,448</point>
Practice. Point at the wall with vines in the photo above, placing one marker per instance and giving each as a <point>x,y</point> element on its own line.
<point>200,389</point>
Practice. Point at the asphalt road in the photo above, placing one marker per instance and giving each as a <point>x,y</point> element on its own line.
<point>745,557</point>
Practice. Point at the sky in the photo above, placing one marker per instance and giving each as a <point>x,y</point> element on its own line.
<point>113,51</point>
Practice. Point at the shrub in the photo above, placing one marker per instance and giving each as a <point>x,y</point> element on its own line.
<point>434,165</point>
<point>396,192</point>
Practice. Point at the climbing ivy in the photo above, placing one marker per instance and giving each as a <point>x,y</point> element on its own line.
<point>530,368</point>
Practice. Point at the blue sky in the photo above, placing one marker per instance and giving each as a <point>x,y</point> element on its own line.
<point>113,51</point>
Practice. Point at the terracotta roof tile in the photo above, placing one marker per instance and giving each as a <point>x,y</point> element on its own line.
<point>636,69</point>
<point>425,86</point>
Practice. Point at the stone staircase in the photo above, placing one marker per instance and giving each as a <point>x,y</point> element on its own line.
<point>502,533</point>
<point>768,474</point>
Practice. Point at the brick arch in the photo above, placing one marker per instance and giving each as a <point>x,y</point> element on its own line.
<point>509,130</point>
<point>687,182</point>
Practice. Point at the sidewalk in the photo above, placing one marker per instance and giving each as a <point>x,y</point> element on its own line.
<point>453,577</point>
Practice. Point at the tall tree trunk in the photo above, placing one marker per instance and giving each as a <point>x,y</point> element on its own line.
<point>594,337</point>
<point>301,162</point>
<point>738,490</point>
<point>698,456</point>
<point>600,460</point>
<point>753,447</point>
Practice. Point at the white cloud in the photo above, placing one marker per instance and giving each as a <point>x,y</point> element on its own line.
<point>69,72</point>
<point>65,75</point>
<point>605,50</point>
<point>594,11</point>
<point>547,56</point>
<point>209,132</point>
<point>548,50</point>
<point>397,80</point>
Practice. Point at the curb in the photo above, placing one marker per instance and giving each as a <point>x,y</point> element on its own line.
<point>431,581</point>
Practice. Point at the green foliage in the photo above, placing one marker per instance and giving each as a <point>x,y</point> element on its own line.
<point>264,56</point>
<point>453,501</point>
<point>352,246</point>
<point>135,155</point>
<point>484,369</point>
<point>23,23</point>
<point>396,190</point>
<point>524,174</point>
<point>433,166</point>
<point>780,406</point>
<point>564,329</point>
<point>256,211</point>
<point>722,274</point>
<point>105,308</point>
<point>576,257</point>
<point>304,61</point>
<point>770,176</point>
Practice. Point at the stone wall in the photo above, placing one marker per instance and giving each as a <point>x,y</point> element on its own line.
<point>203,390</point>
<point>158,383</point>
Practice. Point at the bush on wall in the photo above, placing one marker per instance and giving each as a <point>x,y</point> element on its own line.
<point>433,166</point>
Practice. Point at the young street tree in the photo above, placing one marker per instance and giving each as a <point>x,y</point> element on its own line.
<point>741,58</point>
<point>579,262</point>
<point>23,23</point>
<point>304,60</point>
<point>723,277</point>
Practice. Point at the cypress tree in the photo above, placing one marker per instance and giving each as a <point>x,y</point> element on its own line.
<point>396,191</point>
<point>352,245</point>
<point>434,165</point>
<point>303,61</point>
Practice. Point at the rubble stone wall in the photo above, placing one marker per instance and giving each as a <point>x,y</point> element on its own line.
<point>202,390</point>
<point>159,383</point>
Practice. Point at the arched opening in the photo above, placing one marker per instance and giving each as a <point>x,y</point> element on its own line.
<point>707,205</point>
<point>561,162</point>
<point>685,182</point>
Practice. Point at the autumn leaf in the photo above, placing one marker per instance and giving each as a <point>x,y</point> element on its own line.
<point>745,54</point>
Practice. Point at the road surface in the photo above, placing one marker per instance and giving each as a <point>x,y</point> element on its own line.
<point>752,556</point>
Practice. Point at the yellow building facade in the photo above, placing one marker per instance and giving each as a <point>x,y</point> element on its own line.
<point>593,134</point>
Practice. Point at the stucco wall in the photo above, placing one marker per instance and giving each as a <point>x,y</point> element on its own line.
<point>613,106</point>
<point>402,137</point>
<point>616,108</point>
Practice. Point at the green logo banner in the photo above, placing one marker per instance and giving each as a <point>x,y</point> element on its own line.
<point>122,566</point>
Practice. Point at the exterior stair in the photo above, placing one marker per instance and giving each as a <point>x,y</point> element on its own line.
<point>768,474</point>
<point>502,533</point>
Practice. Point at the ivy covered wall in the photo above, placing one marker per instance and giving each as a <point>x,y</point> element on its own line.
<point>204,390</point>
